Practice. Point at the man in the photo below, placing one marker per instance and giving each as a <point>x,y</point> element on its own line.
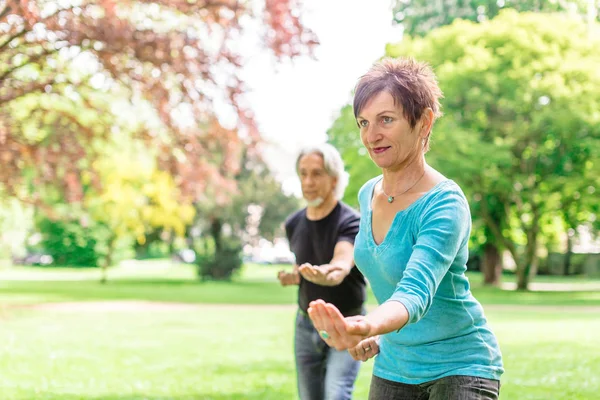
<point>322,238</point>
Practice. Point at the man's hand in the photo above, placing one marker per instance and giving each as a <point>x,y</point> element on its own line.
<point>288,278</point>
<point>324,275</point>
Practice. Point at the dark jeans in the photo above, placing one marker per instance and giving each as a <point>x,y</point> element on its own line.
<point>456,387</point>
<point>323,372</point>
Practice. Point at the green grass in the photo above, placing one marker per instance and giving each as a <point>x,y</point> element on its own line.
<point>231,352</point>
<point>216,353</point>
<point>163,281</point>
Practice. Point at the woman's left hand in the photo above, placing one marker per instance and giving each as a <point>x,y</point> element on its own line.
<point>338,332</point>
<point>366,349</point>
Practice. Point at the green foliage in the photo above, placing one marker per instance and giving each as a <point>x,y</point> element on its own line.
<point>79,242</point>
<point>419,17</point>
<point>68,243</point>
<point>221,265</point>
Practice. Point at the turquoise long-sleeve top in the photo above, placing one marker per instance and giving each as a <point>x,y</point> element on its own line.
<point>421,263</point>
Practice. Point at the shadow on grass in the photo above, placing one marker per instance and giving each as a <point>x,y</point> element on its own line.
<point>182,291</point>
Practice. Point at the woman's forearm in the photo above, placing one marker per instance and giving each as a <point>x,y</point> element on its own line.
<point>388,317</point>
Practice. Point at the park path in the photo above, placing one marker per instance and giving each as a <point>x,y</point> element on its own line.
<point>154,306</point>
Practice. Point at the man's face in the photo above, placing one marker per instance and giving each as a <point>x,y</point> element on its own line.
<point>317,185</point>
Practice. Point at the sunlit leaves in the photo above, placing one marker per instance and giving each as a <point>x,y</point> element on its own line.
<point>419,17</point>
<point>136,198</point>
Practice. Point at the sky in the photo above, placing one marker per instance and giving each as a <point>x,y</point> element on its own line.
<point>296,102</point>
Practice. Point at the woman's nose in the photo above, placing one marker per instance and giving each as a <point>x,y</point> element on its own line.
<point>372,135</point>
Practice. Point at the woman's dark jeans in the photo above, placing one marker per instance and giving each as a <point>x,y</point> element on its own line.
<point>455,387</point>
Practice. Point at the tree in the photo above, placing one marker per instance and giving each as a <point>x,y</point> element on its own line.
<point>578,206</point>
<point>169,58</point>
<point>135,200</point>
<point>418,17</point>
<point>515,125</point>
<point>255,211</point>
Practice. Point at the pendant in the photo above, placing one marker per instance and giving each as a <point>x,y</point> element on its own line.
<point>390,199</point>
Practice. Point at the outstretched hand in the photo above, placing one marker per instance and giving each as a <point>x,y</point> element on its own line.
<point>324,275</point>
<point>288,278</point>
<point>338,332</point>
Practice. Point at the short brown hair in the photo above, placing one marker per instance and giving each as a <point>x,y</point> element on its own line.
<point>412,84</point>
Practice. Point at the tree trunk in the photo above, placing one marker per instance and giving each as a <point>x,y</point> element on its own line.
<point>142,251</point>
<point>491,265</point>
<point>215,231</point>
<point>530,262</point>
<point>567,263</point>
<point>522,276</point>
<point>103,268</point>
<point>107,262</point>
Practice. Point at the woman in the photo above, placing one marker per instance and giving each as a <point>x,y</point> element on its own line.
<point>430,334</point>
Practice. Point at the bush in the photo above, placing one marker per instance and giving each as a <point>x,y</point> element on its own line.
<point>72,245</point>
<point>68,243</point>
<point>220,265</point>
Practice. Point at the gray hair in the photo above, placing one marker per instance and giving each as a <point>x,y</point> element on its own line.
<point>334,165</point>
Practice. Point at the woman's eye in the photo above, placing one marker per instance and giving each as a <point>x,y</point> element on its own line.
<point>363,123</point>
<point>386,120</point>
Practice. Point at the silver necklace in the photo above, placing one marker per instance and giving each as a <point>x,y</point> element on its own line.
<point>390,199</point>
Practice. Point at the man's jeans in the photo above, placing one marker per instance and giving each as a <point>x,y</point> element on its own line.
<point>455,387</point>
<point>323,372</point>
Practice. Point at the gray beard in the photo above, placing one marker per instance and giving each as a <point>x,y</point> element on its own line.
<point>316,202</point>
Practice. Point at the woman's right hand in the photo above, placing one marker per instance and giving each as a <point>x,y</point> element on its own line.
<point>366,349</point>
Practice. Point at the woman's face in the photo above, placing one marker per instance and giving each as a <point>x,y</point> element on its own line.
<point>387,135</point>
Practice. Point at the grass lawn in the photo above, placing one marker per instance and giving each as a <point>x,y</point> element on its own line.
<point>223,352</point>
<point>256,284</point>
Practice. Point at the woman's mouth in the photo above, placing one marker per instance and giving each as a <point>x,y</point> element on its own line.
<point>379,150</point>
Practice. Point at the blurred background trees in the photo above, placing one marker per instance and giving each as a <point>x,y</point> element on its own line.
<point>108,117</point>
<point>419,17</point>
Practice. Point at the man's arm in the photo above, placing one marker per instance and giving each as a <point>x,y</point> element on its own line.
<point>331,274</point>
<point>289,278</point>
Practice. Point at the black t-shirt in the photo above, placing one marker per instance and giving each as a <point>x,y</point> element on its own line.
<point>313,242</point>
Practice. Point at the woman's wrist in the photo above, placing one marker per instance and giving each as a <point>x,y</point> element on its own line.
<point>373,328</point>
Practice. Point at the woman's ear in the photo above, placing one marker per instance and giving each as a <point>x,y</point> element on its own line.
<point>426,123</point>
